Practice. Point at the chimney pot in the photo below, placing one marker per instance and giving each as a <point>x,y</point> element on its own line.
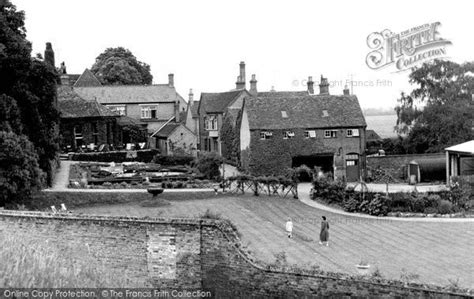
<point>171,80</point>
<point>310,84</point>
<point>191,95</point>
<point>346,90</point>
<point>253,86</point>
<point>241,79</point>
<point>324,86</point>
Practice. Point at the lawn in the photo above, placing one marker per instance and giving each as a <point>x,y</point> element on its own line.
<point>439,253</point>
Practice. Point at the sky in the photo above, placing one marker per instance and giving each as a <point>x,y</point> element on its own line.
<point>282,42</point>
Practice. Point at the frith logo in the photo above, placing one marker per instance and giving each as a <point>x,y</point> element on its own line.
<point>406,49</point>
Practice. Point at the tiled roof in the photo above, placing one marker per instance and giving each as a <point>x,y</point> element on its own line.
<point>282,93</point>
<point>167,129</point>
<point>128,121</point>
<point>218,102</point>
<point>71,105</point>
<point>194,109</point>
<point>372,135</point>
<point>87,79</point>
<point>266,112</point>
<point>114,94</point>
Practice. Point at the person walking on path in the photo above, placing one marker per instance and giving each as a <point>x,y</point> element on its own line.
<point>289,227</point>
<point>324,234</point>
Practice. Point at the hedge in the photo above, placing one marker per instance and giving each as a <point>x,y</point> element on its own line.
<point>173,160</point>
<point>116,156</point>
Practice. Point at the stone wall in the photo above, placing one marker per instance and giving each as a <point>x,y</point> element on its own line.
<point>200,254</point>
<point>396,164</point>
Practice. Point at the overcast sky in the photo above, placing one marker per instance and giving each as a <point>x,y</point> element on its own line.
<point>282,42</point>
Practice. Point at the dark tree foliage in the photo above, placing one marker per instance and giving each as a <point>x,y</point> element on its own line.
<point>439,112</point>
<point>118,66</point>
<point>27,90</point>
<point>229,137</point>
<point>21,175</point>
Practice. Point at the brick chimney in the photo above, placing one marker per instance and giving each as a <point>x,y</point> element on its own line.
<point>49,55</point>
<point>191,95</point>
<point>171,80</point>
<point>240,84</point>
<point>310,84</point>
<point>253,86</point>
<point>324,86</point>
<point>346,91</point>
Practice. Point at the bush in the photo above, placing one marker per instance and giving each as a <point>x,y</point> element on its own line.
<point>430,210</point>
<point>173,160</point>
<point>378,206</point>
<point>20,174</point>
<point>329,190</point>
<point>208,165</point>
<point>401,202</point>
<point>351,204</point>
<point>445,207</point>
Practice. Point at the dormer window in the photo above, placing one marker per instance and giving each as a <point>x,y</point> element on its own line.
<point>288,134</point>
<point>325,113</point>
<point>210,123</point>
<point>284,114</point>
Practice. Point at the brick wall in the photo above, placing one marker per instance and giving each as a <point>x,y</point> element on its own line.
<point>189,254</point>
<point>396,164</point>
<point>274,155</point>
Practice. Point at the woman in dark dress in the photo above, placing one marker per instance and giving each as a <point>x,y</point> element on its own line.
<point>324,234</point>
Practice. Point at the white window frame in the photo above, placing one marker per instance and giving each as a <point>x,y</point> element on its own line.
<point>329,134</point>
<point>307,134</point>
<point>288,134</point>
<point>210,122</point>
<point>145,111</point>
<point>120,109</point>
<point>265,135</point>
<point>352,133</point>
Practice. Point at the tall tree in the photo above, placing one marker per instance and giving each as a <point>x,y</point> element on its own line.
<point>27,91</point>
<point>118,66</point>
<point>439,112</point>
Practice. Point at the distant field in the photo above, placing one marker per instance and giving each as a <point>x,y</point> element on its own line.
<point>382,124</point>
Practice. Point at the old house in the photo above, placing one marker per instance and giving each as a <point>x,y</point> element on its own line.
<point>212,110</point>
<point>152,104</point>
<point>279,130</point>
<point>176,139</point>
<point>87,124</point>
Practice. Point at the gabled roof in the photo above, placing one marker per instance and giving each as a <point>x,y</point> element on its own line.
<point>466,147</point>
<point>372,135</point>
<point>218,102</point>
<point>167,129</point>
<point>71,105</point>
<point>194,109</point>
<point>87,79</point>
<point>125,94</point>
<point>266,112</point>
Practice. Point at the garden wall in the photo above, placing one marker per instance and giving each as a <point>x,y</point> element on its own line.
<point>188,254</point>
<point>396,164</point>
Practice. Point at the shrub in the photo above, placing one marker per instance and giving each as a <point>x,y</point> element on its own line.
<point>419,203</point>
<point>430,210</point>
<point>173,160</point>
<point>20,174</point>
<point>329,190</point>
<point>378,205</point>
<point>445,207</point>
<point>401,202</point>
<point>208,165</point>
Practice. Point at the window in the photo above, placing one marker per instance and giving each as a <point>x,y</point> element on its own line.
<point>120,110</point>
<point>330,134</point>
<point>284,114</point>
<point>210,123</point>
<point>310,134</point>
<point>265,135</point>
<point>288,135</point>
<point>325,113</point>
<point>148,112</point>
<point>352,132</point>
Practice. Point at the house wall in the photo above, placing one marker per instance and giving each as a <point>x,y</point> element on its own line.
<point>274,156</point>
<point>182,138</point>
<point>193,254</point>
<point>67,125</point>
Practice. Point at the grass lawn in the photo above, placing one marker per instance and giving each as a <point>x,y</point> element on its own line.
<point>437,252</point>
